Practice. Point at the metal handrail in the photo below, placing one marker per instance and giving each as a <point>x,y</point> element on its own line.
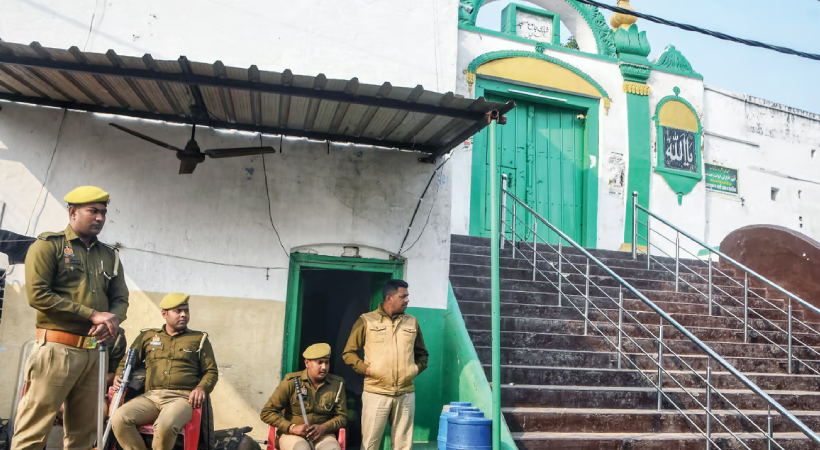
<point>711,354</point>
<point>746,320</point>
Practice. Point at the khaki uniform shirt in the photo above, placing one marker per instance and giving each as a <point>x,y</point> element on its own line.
<point>356,342</point>
<point>181,362</point>
<point>326,405</point>
<point>117,348</point>
<point>67,282</point>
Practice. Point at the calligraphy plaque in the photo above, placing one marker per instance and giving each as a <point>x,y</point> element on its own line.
<point>535,27</point>
<point>721,180</point>
<point>679,150</point>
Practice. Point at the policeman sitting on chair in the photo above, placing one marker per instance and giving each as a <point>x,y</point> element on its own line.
<point>324,399</point>
<point>180,371</point>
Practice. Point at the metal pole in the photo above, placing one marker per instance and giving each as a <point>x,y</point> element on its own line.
<point>101,393</point>
<point>586,302</point>
<point>560,276</point>
<point>620,324</point>
<point>648,235</point>
<point>660,366</point>
<point>708,403</point>
<point>677,260</point>
<point>495,284</point>
<point>770,427</point>
<point>514,221</point>
<point>710,284</point>
<point>746,307</point>
<point>635,225</point>
<point>503,208</point>
<point>789,363</point>
<point>534,246</point>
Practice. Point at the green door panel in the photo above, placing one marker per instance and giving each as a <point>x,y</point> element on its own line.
<point>541,150</point>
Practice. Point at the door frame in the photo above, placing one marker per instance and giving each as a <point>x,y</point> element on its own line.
<point>293,305</point>
<point>592,106</point>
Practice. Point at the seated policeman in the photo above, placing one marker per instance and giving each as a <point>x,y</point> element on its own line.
<point>180,371</point>
<point>325,404</point>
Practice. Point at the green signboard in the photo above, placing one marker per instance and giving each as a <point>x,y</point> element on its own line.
<point>721,180</point>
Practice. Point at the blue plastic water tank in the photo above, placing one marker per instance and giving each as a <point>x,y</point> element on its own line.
<point>469,430</point>
<point>455,408</point>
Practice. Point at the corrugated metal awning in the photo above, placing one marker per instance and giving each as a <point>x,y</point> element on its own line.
<point>218,96</point>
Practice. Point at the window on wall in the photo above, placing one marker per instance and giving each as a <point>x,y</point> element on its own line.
<point>535,22</point>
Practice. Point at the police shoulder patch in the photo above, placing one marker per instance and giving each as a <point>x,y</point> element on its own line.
<point>47,235</point>
<point>292,375</point>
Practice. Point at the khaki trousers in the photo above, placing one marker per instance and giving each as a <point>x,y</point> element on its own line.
<point>378,409</point>
<point>169,411</point>
<point>57,374</point>
<point>293,442</point>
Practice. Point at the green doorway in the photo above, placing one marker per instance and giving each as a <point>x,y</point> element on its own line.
<point>547,150</point>
<point>326,295</point>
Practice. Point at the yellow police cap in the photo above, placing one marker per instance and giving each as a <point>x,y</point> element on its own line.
<point>173,300</point>
<point>86,194</point>
<point>317,351</point>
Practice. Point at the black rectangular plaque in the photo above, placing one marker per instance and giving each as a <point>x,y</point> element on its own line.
<point>679,150</point>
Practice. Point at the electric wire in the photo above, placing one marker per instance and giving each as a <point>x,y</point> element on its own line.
<point>267,194</point>
<point>715,34</point>
<point>413,218</point>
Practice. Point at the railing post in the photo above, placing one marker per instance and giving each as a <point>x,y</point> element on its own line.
<point>586,302</point>
<point>514,222</point>
<point>710,283</point>
<point>660,366</point>
<point>635,225</point>
<point>534,246</point>
<point>495,283</point>
<point>769,421</point>
<point>746,307</point>
<point>677,260</point>
<point>620,324</point>
<point>789,362</point>
<point>503,209</point>
<point>648,246</point>
<point>560,276</point>
<point>708,403</point>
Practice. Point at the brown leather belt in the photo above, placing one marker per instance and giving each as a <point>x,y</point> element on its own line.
<point>61,337</point>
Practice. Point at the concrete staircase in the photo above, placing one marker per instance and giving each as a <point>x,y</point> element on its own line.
<point>562,389</point>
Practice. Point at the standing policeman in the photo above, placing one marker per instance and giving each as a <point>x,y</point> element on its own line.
<point>77,286</point>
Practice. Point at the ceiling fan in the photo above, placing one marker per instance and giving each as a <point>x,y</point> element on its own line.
<point>191,155</point>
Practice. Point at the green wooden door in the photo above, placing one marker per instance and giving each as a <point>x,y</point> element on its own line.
<point>541,150</point>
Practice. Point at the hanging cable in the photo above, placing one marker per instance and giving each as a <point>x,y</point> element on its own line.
<point>715,34</point>
<point>267,193</point>
<point>412,219</point>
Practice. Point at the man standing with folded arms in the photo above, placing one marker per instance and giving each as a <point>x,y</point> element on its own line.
<point>394,354</point>
<point>77,286</point>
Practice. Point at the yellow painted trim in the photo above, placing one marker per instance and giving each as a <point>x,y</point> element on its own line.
<point>631,87</point>
<point>675,114</point>
<point>628,248</point>
<point>538,72</point>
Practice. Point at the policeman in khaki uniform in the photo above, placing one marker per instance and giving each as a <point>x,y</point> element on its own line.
<point>324,399</point>
<point>180,371</point>
<point>77,286</point>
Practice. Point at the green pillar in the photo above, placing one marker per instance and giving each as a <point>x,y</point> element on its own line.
<point>495,284</point>
<point>633,48</point>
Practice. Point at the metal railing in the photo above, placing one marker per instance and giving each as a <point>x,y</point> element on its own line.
<point>753,319</point>
<point>680,398</point>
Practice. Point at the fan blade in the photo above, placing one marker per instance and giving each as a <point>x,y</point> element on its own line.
<point>147,138</point>
<point>241,151</point>
<point>186,167</point>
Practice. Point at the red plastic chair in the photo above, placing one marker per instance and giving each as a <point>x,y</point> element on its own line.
<point>189,433</point>
<point>340,436</point>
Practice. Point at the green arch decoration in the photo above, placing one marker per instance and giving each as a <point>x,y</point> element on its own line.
<point>680,182</point>
<point>604,37</point>
<point>503,54</point>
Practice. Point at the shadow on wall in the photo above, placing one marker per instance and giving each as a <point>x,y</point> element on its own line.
<point>784,256</point>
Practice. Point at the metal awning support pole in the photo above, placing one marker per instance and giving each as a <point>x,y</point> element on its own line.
<point>495,285</point>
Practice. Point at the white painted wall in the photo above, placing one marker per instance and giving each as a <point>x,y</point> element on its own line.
<point>781,157</point>
<point>612,132</point>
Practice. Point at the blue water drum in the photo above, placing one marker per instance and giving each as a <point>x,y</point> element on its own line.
<point>469,430</point>
<point>455,408</point>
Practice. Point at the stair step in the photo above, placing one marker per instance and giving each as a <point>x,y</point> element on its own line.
<point>579,420</point>
<point>647,398</point>
<point>654,441</point>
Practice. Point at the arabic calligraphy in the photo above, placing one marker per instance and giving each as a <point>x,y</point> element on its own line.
<point>721,180</point>
<point>679,149</point>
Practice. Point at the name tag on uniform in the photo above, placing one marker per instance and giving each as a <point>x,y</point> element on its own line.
<point>155,341</point>
<point>157,344</point>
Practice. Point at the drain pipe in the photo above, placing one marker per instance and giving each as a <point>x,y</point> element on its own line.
<point>495,286</point>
